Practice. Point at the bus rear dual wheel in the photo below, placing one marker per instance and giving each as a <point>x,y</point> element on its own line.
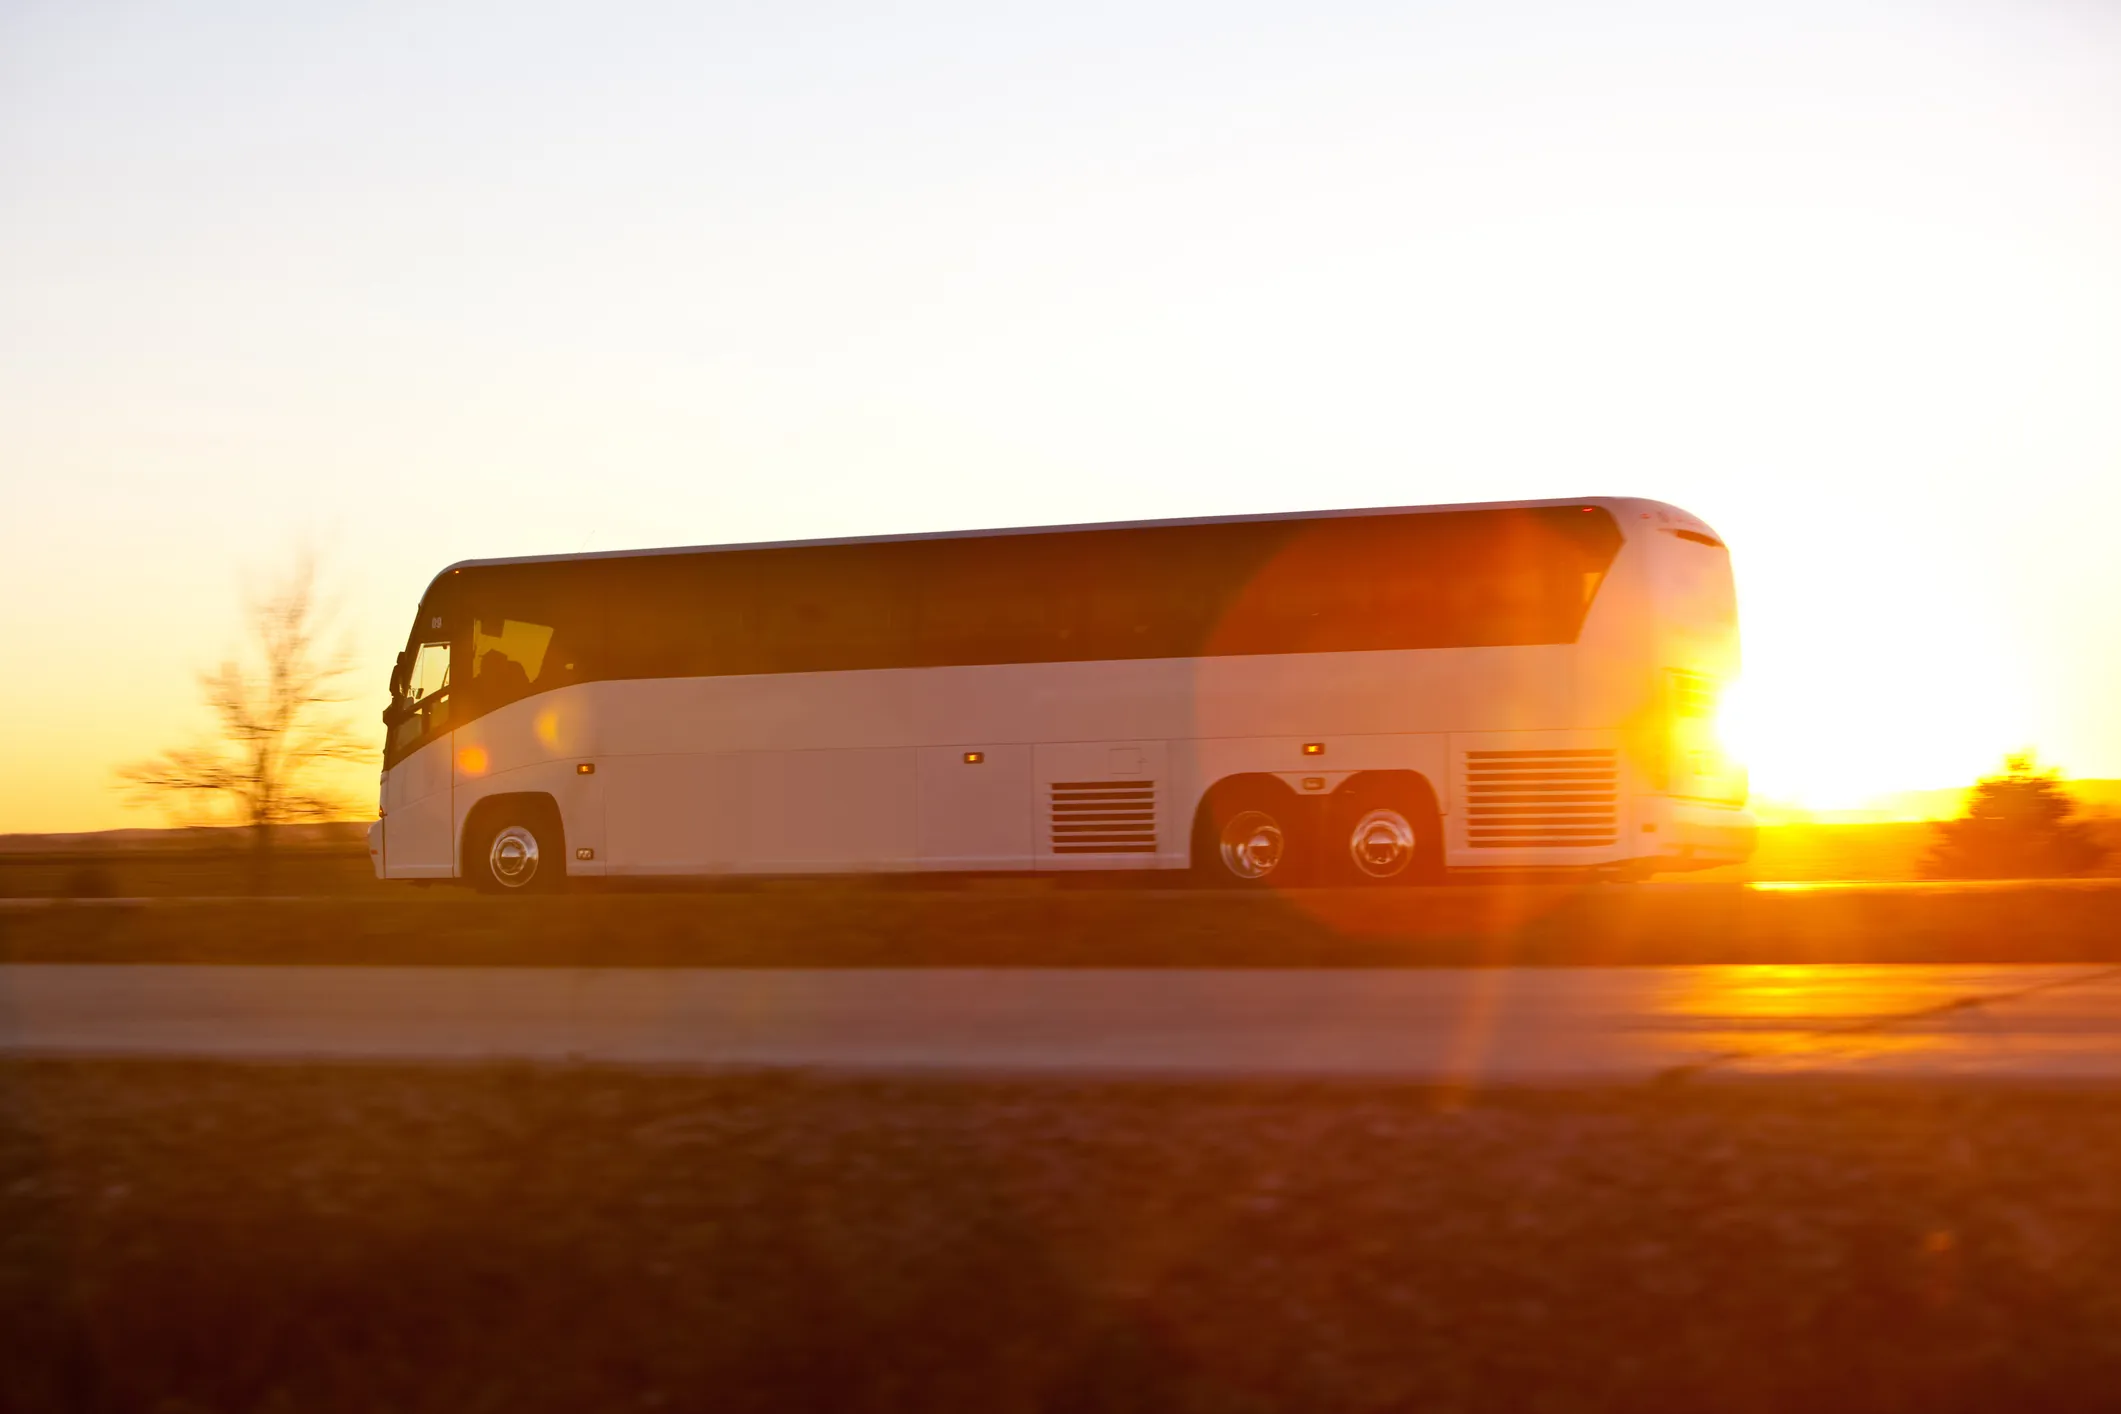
<point>516,850</point>
<point>1260,838</point>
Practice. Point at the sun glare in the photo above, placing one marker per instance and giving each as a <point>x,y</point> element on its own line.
<point>1872,751</point>
<point>1735,730</point>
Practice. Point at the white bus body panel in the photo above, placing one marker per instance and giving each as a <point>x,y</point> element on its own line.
<point>972,814</point>
<point>420,823</point>
<point>811,786</point>
<point>856,771</point>
<point>537,747</point>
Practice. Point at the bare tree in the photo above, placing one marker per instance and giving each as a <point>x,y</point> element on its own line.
<point>276,726</point>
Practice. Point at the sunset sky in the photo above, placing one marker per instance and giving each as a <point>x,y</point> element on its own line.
<point>413,283</point>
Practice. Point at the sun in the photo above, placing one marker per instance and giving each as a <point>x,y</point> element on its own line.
<point>1808,745</point>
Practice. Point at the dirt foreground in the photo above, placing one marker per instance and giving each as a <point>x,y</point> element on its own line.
<point>200,1237</point>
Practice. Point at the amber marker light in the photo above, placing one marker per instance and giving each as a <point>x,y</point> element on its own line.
<point>973,758</point>
<point>585,768</point>
<point>1314,748</point>
<point>472,761</point>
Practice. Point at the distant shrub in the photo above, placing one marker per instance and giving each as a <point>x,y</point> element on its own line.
<point>2017,826</point>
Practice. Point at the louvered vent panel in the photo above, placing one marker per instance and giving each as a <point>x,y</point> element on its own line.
<point>1104,817</point>
<point>1542,799</point>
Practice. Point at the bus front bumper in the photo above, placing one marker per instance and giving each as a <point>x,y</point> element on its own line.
<point>1695,834</point>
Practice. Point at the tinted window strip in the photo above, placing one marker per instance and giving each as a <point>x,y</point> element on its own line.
<point>1505,578</point>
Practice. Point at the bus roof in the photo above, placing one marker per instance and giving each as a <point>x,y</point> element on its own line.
<point>1627,512</point>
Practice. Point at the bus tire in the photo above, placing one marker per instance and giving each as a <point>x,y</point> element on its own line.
<point>516,847</point>
<point>1251,835</point>
<point>1386,833</point>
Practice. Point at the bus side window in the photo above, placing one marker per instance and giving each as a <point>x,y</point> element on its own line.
<point>427,694</point>
<point>679,616</point>
<point>430,720</point>
<point>1133,594</point>
<point>1303,589</point>
<point>508,657</point>
<point>835,607</point>
<point>1518,581</point>
<point>430,672</point>
<point>526,630</point>
<point>983,600</point>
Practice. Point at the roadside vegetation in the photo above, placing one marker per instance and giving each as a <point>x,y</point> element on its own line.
<point>277,727</point>
<point>332,859</point>
<point>2018,825</point>
<point>820,924</point>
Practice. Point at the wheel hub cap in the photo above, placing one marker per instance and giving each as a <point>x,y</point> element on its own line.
<point>1252,844</point>
<point>514,857</point>
<point>1382,844</point>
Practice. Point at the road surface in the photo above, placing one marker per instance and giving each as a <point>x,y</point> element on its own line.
<point>1469,1025</point>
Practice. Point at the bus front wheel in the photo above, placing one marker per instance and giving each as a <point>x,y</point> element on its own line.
<point>518,851</point>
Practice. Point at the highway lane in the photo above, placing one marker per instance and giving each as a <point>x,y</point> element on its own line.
<point>1462,1025</point>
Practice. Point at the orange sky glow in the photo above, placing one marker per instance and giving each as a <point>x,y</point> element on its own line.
<point>411,287</point>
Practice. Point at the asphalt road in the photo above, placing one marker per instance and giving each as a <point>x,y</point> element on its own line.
<point>1466,1025</point>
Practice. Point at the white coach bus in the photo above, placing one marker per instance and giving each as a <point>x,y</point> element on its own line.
<point>1345,697</point>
